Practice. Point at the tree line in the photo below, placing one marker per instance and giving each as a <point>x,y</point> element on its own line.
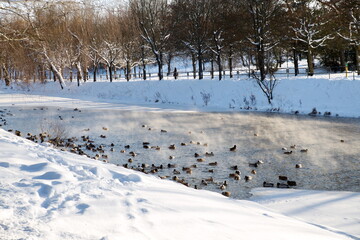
<point>41,36</point>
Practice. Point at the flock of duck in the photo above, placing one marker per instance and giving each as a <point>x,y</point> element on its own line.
<point>88,147</point>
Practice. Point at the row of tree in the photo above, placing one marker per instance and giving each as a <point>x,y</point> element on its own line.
<point>38,36</point>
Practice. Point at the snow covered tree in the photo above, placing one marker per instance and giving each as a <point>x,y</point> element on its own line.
<point>348,22</point>
<point>152,17</point>
<point>309,30</point>
<point>264,36</point>
<point>193,17</point>
<point>129,41</point>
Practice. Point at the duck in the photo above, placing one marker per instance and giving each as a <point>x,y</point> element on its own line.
<point>213,164</point>
<point>291,183</point>
<point>253,165</point>
<point>248,178</point>
<point>210,179</point>
<point>267,184</point>
<point>298,165</point>
<point>233,149</point>
<point>196,155</point>
<point>171,165</point>
<point>207,154</point>
<point>171,157</point>
<point>172,147</point>
<point>253,172</point>
<point>200,160</point>
<point>183,144</point>
<point>304,150</point>
<point>226,194</point>
<point>235,167</point>
<point>282,185</point>
<point>288,152</point>
<point>283,178</point>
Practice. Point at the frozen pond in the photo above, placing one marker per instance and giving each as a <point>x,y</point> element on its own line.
<point>331,162</point>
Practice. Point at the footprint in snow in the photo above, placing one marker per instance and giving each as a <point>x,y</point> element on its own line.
<point>82,208</point>
<point>33,168</point>
<point>49,176</point>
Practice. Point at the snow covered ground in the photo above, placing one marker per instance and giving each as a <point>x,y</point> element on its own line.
<point>48,194</point>
<point>337,96</point>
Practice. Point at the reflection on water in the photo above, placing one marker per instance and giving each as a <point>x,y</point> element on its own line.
<point>329,163</point>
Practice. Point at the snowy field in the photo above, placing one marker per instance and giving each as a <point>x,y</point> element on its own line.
<point>50,194</point>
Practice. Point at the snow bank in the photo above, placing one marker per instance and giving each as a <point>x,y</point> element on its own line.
<point>49,194</point>
<point>335,211</point>
<point>295,94</point>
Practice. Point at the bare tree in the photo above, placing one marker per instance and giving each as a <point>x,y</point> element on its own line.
<point>264,36</point>
<point>309,30</point>
<point>152,17</point>
<point>348,16</point>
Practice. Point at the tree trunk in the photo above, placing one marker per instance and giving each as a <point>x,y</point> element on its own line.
<point>57,74</point>
<point>219,65</point>
<point>261,61</point>
<point>86,74</point>
<point>357,58</point>
<point>296,62</point>
<point>110,72</point>
<point>310,62</point>
<point>128,71</point>
<point>200,60</point>
<point>342,60</point>
<point>169,64</point>
<point>143,61</point>
<point>71,75</point>
<point>6,75</point>
<point>212,68</point>
<point>95,72</point>
<point>231,61</point>
<point>79,73</point>
<point>144,72</point>
<point>193,64</point>
<point>159,59</point>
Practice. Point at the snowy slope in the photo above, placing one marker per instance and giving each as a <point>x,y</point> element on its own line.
<point>48,194</point>
<point>295,94</point>
<point>335,211</point>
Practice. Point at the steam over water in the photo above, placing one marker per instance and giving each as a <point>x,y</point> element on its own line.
<point>329,163</point>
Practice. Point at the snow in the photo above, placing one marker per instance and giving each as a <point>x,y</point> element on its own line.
<point>300,94</point>
<point>327,210</point>
<point>48,194</point>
